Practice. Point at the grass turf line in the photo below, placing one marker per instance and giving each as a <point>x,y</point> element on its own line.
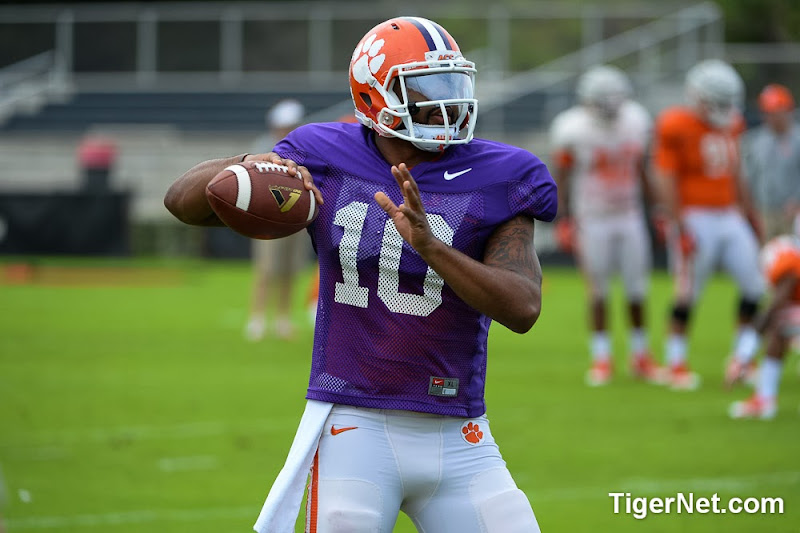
<point>101,386</point>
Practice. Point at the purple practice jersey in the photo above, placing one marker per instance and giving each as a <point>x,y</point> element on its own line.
<point>390,333</point>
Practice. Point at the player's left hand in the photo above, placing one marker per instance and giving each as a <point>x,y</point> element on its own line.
<point>409,217</point>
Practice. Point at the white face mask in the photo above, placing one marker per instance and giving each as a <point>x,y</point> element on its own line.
<point>719,115</point>
<point>433,133</point>
<point>608,108</point>
<point>438,89</point>
<point>446,90</point>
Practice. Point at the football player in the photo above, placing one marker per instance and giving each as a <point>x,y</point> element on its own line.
<point>696,159</point>
<point>778,324</point>
<point>424,238</point>
<point>275,262</point>
<point>598,159</point>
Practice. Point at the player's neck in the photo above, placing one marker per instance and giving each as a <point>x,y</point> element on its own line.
<point>396,151</point>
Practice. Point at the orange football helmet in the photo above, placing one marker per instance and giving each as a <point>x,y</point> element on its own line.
<point>776,247</point>
<point>409,63</point>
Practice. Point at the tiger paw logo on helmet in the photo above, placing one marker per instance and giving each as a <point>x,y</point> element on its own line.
<point>370,62</point>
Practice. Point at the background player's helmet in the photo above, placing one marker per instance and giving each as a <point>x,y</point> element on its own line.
<point>413,54</point>
<point>604,88</point>
<point>775,247</point>
<point>715,90</point>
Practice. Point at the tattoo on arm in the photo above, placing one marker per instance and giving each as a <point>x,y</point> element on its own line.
<point>511,247</point>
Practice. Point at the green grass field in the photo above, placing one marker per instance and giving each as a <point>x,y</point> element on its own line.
<point>136,405</point>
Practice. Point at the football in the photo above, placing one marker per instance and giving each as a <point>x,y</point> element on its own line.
<point>261,200</point>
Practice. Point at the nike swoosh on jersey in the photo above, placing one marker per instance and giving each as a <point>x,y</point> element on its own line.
<point>448,176</point>
<point>336,431</point>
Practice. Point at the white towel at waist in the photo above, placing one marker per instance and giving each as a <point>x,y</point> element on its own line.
<point>283,501</point>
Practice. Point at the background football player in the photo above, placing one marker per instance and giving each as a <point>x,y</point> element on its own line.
<point>412,272</point>
<point>696,160</point>
<point>778,323</point>
<point>598,162</point>
<point>275,262</point>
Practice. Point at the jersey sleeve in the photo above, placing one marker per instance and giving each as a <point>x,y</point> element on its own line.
<point>297,146</point>
<point>667,147</point>
<point>534,193</point>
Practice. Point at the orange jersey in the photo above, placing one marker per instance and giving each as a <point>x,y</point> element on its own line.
<point>781,256</point>
<point>703,159</point>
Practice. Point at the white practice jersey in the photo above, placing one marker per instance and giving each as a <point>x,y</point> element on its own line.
<point>604,157</point>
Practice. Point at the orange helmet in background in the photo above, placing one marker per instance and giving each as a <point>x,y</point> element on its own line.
<point>406,54</point>
<point>774,98</point>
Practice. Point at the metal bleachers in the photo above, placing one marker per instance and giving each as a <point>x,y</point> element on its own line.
<point>165,116</point>
<point>195,111</point>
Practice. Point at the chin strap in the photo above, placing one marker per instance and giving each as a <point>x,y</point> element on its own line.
<point>427,132</point>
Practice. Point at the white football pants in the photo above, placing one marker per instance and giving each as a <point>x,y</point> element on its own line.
<point>445,473</point>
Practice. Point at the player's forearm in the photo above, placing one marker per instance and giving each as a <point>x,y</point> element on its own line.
<point>561,176</point>
<point>505,296</point>
<point>766,318</point>
<point>649,190</point>
<point>506,286</point>
<point>781,297</point>
<point>186,197</point>
<point>762,320</point>
<point>667,195</point>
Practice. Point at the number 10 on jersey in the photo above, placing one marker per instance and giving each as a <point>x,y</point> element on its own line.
<point>352,218</point>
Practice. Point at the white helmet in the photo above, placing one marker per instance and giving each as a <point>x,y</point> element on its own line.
<point>716,90</point>
<point>776,247</point>
<point>604,87</point>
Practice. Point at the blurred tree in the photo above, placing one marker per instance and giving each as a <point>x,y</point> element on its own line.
<point>761,20</point>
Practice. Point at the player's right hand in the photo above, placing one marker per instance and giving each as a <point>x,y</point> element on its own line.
<point>660,225</point>
<point>294,169</point>
<point>565,234</point>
